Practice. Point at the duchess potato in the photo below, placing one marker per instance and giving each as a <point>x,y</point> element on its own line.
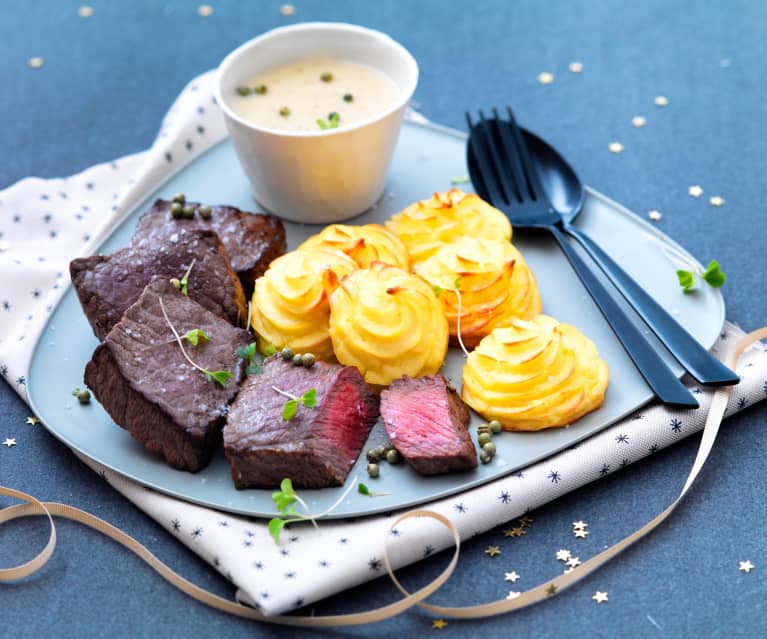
<point>534,374</point>
<point>388,323</point>
<point>492,280</point>
<point>291,300</point>
<point>364,244</point>
<point>426,225</point>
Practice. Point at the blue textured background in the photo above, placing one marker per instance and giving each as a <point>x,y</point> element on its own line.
<point>107,82</point>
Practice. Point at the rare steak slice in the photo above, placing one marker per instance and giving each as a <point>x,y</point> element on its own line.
<point>142,379</point>
<point>318,446</point>
<point>108,284</point>
<point>252,240</point>
<point>427,423</point>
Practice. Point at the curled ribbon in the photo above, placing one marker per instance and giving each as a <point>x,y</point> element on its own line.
<point>50,509</point>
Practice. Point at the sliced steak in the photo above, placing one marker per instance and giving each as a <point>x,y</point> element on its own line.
<point>426,422</point>
<point>253,240</point>
<point>142,379</point>
<point>318,446</point>
<point>108,284</point>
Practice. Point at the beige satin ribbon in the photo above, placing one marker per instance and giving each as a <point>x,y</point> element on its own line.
<point>35,507</point>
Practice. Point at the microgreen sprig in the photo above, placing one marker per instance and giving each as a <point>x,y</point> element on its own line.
<point>438,290</point>
<point>712,275</point>
<point>250,354</point>
<point>285,500</point>
<point>195,336</point>
<point>362,489</point>
<point>332,122</point>
<point>308,399</point>
<point>220,376</point>
<point>183,284</point>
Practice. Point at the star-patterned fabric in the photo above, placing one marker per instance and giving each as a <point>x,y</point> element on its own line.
<point>45,223</point>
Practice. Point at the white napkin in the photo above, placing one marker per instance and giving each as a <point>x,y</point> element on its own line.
<point>46,223</point>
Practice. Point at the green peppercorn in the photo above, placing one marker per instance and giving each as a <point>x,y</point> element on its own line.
<point>298,360</point>
<point>393,457</point>
<point>489,448</point>
<point>483,438</point>
<point>188,212</point>
<point>371,455</point>
<point>176,210</point>
<point>495,426</point>
<point>380,452</point>
<point>179,197</point>
<point>348,97</point>
<point>326,77</point>
<point>206,212</point>
<point>284,112</point>
<point>244,91</point>
<point>334,115</point>
<point>484,457</point>
<point>287,354</point>
<point>84,396</point>
<point>483,428</point>
<point>373,470</point>
<point>261,89</point>
<point>309,360</point>
<point>176,282</point>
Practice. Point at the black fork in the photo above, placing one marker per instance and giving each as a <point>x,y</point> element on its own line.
<point>505,175</point>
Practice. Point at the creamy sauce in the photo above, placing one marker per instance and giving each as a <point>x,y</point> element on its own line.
<point>298,91</point>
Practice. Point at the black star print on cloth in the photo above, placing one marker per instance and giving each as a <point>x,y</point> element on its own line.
<point>605,469</point>
<point>504,497</point>
<point>555,477</point>
<point>622,439</point>
<point>375,564</point>
<point>676,425</point>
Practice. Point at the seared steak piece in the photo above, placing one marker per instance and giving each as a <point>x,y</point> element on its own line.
<point>253,240</point>
<point>108,284</point>
<point>142,379</point>
<point>426,422</point>
<point>318,446</point>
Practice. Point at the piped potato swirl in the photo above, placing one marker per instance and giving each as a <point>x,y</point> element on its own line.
<point>364,244</point>
<point>444,218</point>
<point>492,279</point>
<point>291,304</point>
<point>536,374</point>
<point>388,323</point>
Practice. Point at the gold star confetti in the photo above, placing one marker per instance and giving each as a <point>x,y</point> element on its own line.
<point>661,101</point>
<point>545,78</point>
<point>32,420</point>
<point>654,215</point>
<point>511,576</point>
<point>85,11</point>
<point>551,589</point>
<point>492,551</point>
<point>695,190</point>
<point>514,532</point>
<point>716,200</point>
<point>600,597</point>
<point>615,147</point>
<point>581,534</point>
<point>575,67</point>
<point>573,562</point>
<point>743,566</point>
<point>638,121</point>
<point>513,594</point>
<point>35,63</point>
<point>438,624</point>
<point>563,555</point>
<point>526,521</point>
<point>580,525</point>
<point>205,10</point>
<point>287,9</point>
<point>9,442</point>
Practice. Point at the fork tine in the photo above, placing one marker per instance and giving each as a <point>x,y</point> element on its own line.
<point>531,174</point>
<point>482,148</point>
<point>513,162</point>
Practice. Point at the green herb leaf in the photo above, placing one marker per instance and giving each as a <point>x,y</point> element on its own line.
<point>254,369</point>
<point>309,398</point>
<point>322,124</point>
<point>362,489</point>
<point>460,179</point>
<point>220,377</point>
<point>332,122</point>
<point>275,528</point>
<point>195,336</point>
<point>686,280</point>
<point>713,275</point>
<point>285,496</point>
<point>438,290</point>
<point>185,280</point>
<point>457,282</point>
<point>270,349</point>
<point>286,486</point>
<point>289,411</point>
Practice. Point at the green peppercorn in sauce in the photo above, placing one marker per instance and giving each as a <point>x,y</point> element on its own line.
<point>311,89</point>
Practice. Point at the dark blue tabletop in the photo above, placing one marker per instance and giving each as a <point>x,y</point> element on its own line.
<point>105,85</point>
